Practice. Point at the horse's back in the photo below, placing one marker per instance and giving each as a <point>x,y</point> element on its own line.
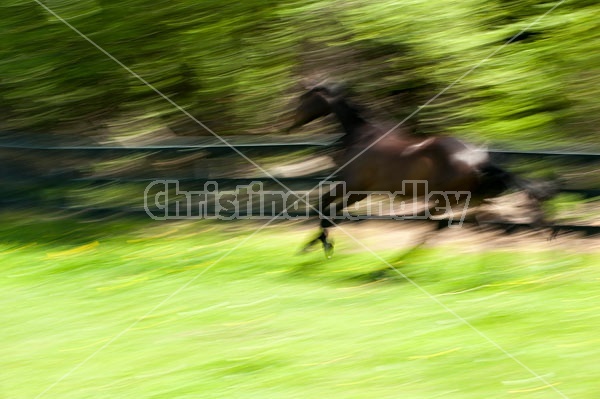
<point>445,163</point>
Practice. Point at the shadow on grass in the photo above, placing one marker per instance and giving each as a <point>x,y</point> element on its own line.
<point>315,265</point>
<point>397,270</point>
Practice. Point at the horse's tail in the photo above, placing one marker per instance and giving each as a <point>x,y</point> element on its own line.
<point>496,180</point>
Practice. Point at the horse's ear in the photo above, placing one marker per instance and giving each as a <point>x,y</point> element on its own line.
<point>331,91</point>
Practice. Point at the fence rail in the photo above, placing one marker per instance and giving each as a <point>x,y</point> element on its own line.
<point>209,148</point>
<point>252,143</point>
<point>212,148</point>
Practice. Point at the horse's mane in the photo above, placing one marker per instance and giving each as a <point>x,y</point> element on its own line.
<point>343,93</point>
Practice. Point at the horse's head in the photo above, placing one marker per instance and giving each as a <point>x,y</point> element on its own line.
<point>315,103</point>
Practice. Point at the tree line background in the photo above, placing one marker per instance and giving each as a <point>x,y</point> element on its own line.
<point>236,65</point>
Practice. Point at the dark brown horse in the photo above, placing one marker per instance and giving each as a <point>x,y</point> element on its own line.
<point>375,160</point>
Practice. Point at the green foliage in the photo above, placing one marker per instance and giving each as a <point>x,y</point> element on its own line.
<point>234,65</point>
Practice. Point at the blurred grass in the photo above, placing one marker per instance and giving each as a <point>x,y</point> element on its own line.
<point>264,323</point>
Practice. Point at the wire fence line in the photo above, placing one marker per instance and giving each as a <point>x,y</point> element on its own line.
<point>33,159</point>
<point>18,154</point>
<point>259,143</point>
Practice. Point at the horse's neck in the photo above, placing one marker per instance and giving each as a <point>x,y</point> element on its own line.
<point>357,129</point>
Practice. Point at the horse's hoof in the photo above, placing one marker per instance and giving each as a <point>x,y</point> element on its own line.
<point>304,250</point>
<point>308,247</point>
<point>328,248</point>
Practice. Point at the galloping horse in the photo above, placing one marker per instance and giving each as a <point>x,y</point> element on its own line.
<point>375,160</point>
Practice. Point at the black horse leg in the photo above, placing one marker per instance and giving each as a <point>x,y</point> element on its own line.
<point>327,222</point>
<point>321,237</point>
<point>328,212</point>
<point>323,206</point>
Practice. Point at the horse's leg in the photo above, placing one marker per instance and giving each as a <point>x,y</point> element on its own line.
<point>384,272</point>
<point>439,224</point>
<point>327,222</point>
<point>321,237</point>
<point>325,202</point>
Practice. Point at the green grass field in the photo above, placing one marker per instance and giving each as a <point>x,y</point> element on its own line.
<point>131,308</point>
